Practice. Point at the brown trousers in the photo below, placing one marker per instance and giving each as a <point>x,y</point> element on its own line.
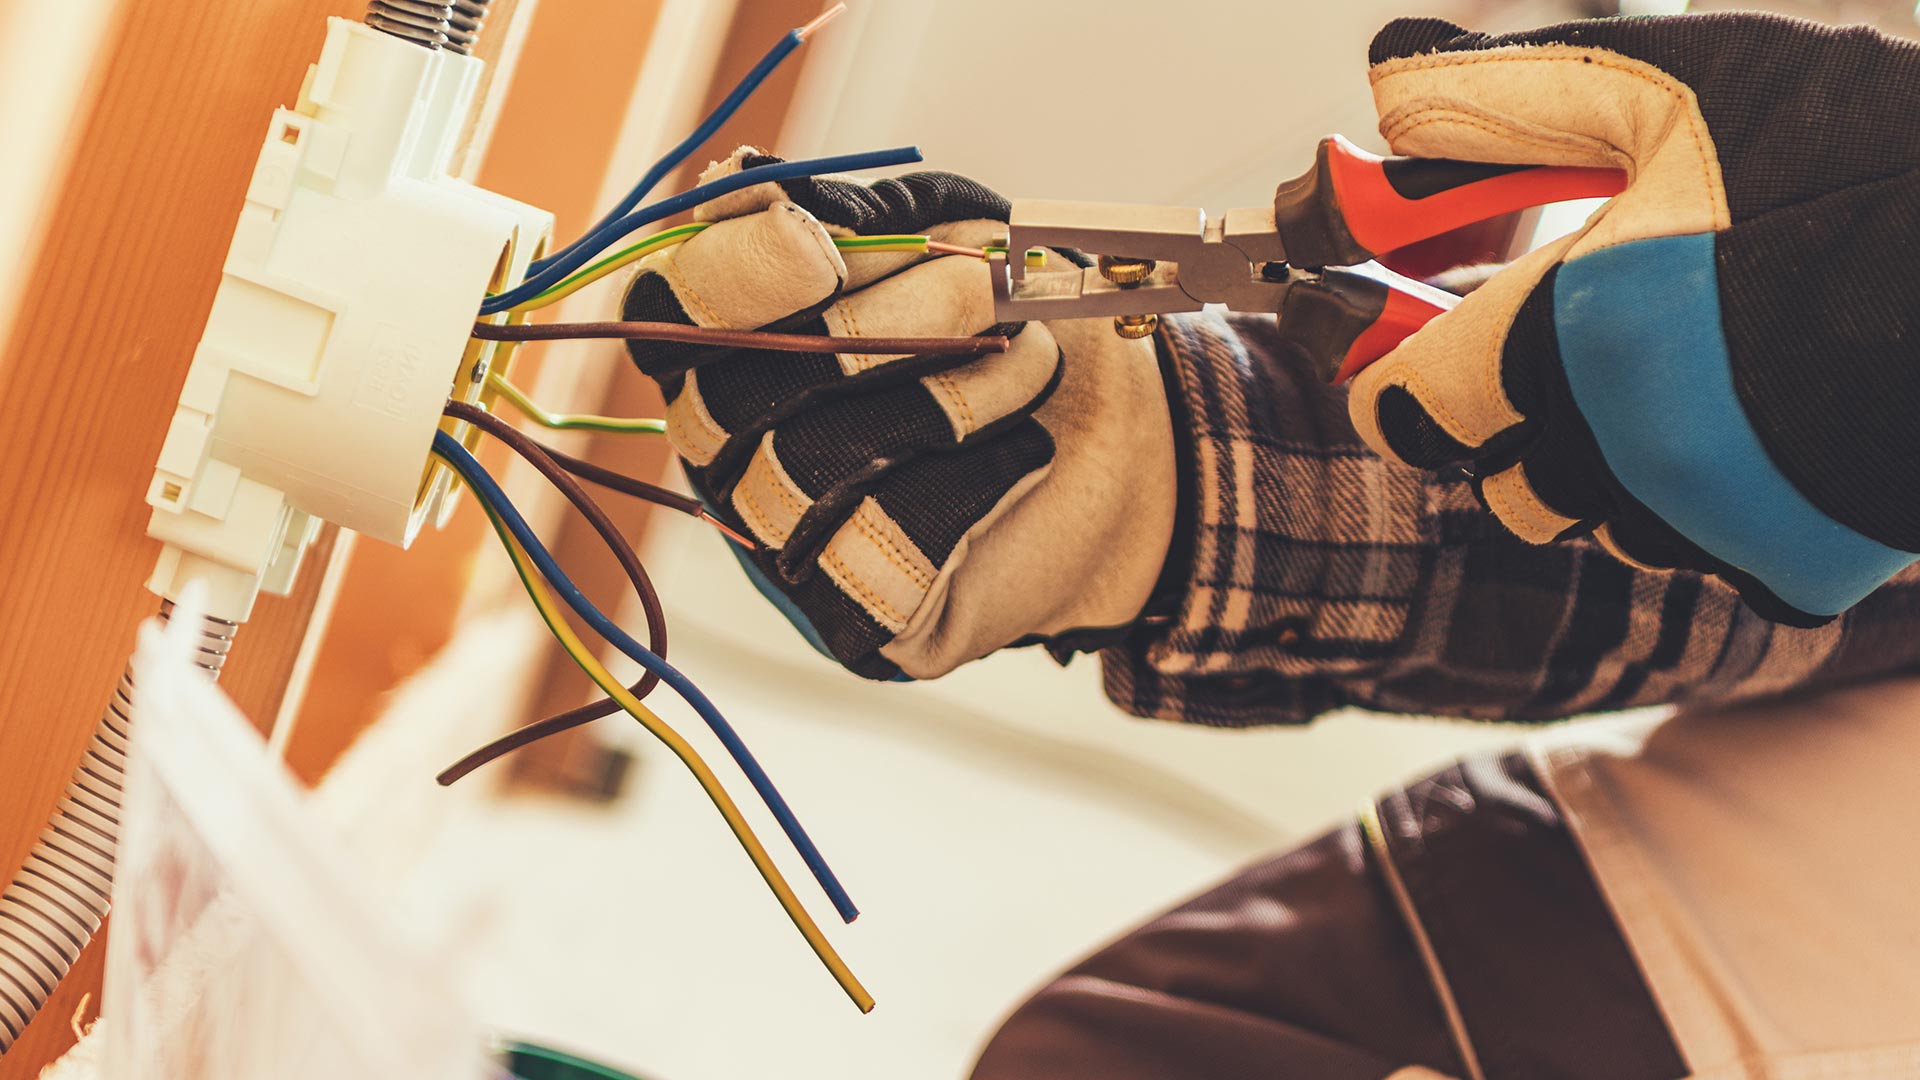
<point>1731,894</point>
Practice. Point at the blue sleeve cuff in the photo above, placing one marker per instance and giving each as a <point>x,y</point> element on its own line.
<point>1645,355</point>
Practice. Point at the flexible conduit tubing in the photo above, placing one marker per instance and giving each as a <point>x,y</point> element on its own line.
<point>55,904</point>
<point>464,24</point>
<point>423,22</point>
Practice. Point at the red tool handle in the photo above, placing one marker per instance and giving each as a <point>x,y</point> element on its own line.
<point>1343,320</point>
<point>1353,206</point>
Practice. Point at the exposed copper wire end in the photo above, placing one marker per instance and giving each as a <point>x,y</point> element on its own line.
<point>821,20</point>
<point>731,533</point>
<point>938,248</point>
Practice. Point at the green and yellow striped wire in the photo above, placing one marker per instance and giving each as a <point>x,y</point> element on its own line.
<point>618,425</point>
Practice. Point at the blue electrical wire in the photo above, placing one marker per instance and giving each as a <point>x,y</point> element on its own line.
<point>485,487</point>
<point>604,237</point>
<point>741,92</point>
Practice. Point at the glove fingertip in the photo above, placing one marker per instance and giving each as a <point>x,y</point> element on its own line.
<point>1413,36</point>
<point>744,156</point>
<point>748,200</point>
<point>1413,435</point>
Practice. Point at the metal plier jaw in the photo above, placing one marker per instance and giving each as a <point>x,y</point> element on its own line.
<point>1196,261</point>
<point>1308,259</point>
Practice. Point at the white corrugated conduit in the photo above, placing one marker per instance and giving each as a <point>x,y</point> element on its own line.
<point>54,905</point>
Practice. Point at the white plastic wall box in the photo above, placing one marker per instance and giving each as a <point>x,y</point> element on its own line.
<point>341,325</point>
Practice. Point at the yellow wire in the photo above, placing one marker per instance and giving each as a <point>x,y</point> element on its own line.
<point>571,421</point>
<point>581,655</point>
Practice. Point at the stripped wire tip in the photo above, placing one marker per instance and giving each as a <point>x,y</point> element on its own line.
<point>729,531</point>
<point>936,247</point>
<point>819,21</point>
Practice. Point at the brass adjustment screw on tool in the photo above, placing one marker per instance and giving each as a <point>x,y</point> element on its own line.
<point>1124,273</point>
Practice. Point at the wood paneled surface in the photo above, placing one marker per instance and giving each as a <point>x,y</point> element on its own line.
<point>47,68</point>
<point>131,255</point>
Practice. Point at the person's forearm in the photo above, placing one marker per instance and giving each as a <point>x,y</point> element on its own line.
<point>1321,576</point>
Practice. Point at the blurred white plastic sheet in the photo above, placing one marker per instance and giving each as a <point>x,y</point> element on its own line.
<point>244,945</point>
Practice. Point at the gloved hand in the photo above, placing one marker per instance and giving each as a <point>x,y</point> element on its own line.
<point>1721,371</point>
<point>916,512</point>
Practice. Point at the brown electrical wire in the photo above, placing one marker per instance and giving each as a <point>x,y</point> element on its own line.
<point>646,492</point>
<point>553,725</point>
<point>739,339</point>
<point>537,456</point>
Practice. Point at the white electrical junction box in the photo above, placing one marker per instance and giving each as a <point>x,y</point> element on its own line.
<point>341,325</point>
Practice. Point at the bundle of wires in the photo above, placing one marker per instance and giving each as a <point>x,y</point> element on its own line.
<point>551,280</point>
<point>582,251</point>
<point>628,215</point>
<point>660,241</point>
<point>559,275</point>
<point>537,570</point>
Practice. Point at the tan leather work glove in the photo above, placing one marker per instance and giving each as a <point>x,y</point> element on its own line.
<point>916,512</point>
<point>1721,371</point>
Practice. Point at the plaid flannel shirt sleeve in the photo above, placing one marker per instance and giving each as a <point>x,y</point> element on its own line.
<point>1319,576</point>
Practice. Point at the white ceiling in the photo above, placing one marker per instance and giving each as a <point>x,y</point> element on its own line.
<point>1202,102</point>
<point>1205,103</point>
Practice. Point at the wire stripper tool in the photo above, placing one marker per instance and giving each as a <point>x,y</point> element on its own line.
<point>1308,259</point>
